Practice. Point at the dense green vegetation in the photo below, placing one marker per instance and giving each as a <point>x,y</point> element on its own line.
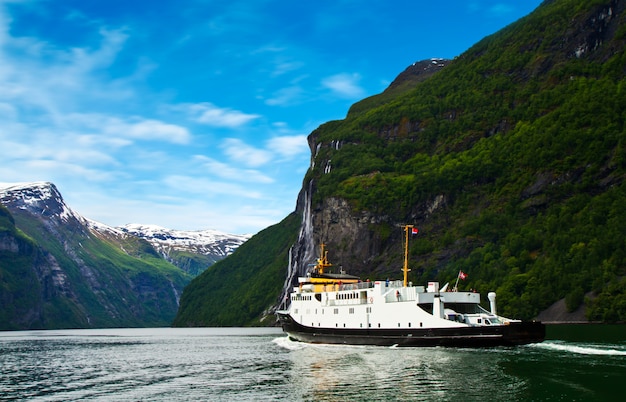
<point>236,291</point>
<point>74,280</point>
<point>17,284</point>
<point>511,160</point>
<point>526,143</point>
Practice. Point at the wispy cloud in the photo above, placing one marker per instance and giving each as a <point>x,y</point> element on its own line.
<point>289,146</point>
<point>285,96</point>
<point>232,173</point>
<point>209,188</point>
<point>147,129</point>
<point>211,115</point>
<point>344,85</point>
<point>244,154</point>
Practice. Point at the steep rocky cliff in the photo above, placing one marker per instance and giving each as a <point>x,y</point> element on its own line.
<point>489,156</point>
<point>510,159</point>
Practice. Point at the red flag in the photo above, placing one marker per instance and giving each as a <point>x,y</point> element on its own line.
<point>414,230</point>
<point>462,275</point>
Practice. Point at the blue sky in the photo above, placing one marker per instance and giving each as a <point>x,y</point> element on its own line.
<point>193,114</point>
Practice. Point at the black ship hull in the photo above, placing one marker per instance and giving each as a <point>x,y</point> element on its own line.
<point>515,333</point>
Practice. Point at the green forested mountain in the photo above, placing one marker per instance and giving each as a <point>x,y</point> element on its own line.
<point>511,160</point>
<point>57,272</point>
<point>237,290</point>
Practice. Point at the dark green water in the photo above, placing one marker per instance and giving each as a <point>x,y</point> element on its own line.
<point>575,363</point>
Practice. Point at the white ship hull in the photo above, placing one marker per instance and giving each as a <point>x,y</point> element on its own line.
<point>339,308</point>
<point>388,314</point>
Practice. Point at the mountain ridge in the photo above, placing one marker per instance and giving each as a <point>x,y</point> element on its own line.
<point>510,160</point>
<point>59,269</point>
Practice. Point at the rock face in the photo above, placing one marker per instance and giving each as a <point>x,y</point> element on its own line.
<point>417,72</point>
<point>59,269</point>
<point>358,245</point>
<point>56,271</point>
<point>509,88</point>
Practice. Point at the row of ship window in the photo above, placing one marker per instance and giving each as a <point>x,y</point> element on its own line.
<point>335,310</point>
<point>347,296</point>
<point>361,325</point>
<point>339,296</point>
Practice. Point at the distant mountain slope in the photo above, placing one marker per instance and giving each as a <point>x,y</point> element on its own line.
<point>191,251</point>
<point>414,74</point>
<point>238,290</point>
<point>56,272</point>
<point>59,269</point>
<point>511,159</point>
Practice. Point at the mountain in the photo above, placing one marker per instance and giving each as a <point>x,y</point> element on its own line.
<point>238,290</point>
<point>510,159</point>
<point>191,251</point>
<point>61,270</point>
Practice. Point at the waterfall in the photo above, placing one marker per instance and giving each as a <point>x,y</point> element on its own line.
<point>302,252</point>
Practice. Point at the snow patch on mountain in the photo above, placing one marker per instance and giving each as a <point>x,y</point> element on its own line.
<point>204,241</point>
<point>43,199</point>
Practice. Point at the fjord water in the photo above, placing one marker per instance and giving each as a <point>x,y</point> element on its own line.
<point>234,364</point>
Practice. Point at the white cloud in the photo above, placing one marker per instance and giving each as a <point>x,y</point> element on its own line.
<point>176,212</point>
<point>289,146</point>
<point>78,110</point>
<point>344,85</point>
<point>285,96</point>
<point>230,172</point>
<point>116,131</point>
<point>209,188</point>
<point>209,114</point>
<point>38,76</point>
<point>242,153</point>
<point>154,130</point>
<point>284,67</point>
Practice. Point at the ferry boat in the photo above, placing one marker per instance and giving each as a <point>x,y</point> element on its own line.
<point>337,308</point>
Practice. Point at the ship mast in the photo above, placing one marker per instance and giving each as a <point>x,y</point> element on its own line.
<point>322,262</point>
<point>406,269</point>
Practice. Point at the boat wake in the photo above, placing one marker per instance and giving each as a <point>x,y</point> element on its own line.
<point>286,343</point>
<point>583,349</point>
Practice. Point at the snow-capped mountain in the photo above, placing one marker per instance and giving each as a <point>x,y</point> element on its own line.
<point>171,243</point>
<point>60,270</point>
<point>39,198</point>
<point>192,251</point>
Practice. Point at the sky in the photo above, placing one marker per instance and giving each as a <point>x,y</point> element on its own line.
<point>194,114</point>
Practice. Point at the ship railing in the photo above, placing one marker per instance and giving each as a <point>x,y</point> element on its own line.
<point>356,286</point>
<point>400,294</point>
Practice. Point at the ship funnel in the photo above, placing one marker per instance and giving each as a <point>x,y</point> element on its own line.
<point>492,302</point>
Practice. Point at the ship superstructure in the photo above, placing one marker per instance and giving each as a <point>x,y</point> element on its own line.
<point>340,308</point>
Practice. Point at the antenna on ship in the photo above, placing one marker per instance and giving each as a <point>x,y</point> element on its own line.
<point>405,269</point>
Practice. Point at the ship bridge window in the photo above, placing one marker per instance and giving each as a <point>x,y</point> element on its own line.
<point>464,308</point>
<point>318,297</point>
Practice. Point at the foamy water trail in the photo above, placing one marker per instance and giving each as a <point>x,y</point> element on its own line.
<point>286,343</point>
<point>584,349</point>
